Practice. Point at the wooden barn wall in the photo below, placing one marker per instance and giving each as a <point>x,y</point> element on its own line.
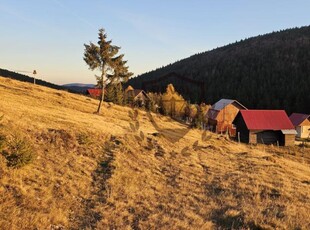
<point>289,139</point>
<point>242,129</point>
<point>252,138</point>
<point>225,118</point>
<point>228,114</point>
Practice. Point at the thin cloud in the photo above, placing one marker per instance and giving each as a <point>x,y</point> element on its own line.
<point>147,27</point>
<point>20,16</point>
<point>73,13</point>
<point>154,30</point>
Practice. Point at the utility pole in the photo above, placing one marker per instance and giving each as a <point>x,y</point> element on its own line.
<point>223,125</point>
<point>34,78</point>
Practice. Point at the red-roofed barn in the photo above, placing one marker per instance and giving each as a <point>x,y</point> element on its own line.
<point>265,126</point>
<point>302,124</point>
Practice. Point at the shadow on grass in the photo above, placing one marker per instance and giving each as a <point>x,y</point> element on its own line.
<point>100,176</point>
<point>228,216</point>
<point>224,220</point>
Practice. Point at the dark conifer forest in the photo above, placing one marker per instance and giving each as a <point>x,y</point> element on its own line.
<point>269,71</point>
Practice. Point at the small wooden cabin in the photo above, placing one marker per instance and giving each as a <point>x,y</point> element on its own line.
<point>265,127</point>
<point>301,123</point>
<point>221,115</point>
<point>136,96</point>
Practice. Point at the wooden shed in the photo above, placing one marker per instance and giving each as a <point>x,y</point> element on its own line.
<point>265,127</point>
<point>136,96</point>
<point>221,115</point>
<point>301,123</point>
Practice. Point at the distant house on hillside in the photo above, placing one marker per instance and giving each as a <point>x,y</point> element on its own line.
<point>265,126</point>
<point>136,96</point>
<point>221,115</point>
<point>301,123</point>
<point>94,93</point>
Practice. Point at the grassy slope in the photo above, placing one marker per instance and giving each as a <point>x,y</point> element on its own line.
<point>91,172</point>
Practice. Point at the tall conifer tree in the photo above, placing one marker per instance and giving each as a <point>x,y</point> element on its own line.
<point>103,57</point>
<point>119,94</point>
<point>110,93</point>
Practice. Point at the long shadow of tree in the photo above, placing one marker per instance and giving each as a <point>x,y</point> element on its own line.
<point>221,216</point>
<point>100,177</point>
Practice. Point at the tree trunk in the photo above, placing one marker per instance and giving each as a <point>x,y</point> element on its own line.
<point>102,93</point>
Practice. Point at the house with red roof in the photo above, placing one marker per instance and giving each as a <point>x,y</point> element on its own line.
<point>94,93</point>
<point>265,127</point>
<point>301,123</point>
<point>221,115</point>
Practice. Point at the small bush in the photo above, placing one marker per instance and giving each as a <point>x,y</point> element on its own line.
<point>83,139</point>
<point>304,145</point>
<point>18,152</point>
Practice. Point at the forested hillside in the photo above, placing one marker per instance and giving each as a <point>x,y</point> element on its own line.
<point>269,71</point>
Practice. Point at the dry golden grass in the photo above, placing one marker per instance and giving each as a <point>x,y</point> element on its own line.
<point>91,172</point>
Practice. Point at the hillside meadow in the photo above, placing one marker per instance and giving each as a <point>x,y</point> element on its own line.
<point>124,169</point>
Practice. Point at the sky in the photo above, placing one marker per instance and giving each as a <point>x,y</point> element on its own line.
<point>49,35</point>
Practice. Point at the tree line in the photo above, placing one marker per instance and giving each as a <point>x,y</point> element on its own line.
<point>269,71</point>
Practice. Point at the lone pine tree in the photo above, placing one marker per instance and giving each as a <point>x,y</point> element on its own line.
<point>104,57</point>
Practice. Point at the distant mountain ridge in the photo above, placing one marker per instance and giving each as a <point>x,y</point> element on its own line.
<point>269,71</point>
<point>72,87</point>
<point>78,87</point>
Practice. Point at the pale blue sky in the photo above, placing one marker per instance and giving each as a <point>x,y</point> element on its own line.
<point>48,35</point>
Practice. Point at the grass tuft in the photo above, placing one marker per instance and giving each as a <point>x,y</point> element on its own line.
<point>83,139</point>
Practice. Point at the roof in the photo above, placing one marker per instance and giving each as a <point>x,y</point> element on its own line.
<point>289,131</point>
<point>224,102</point>
<point>129,88</point>
<point>298,118</point>
<point>266,119</point>
<point>212,113</point>
<point>94,92</point>
<point>221,104</point>
<point>137,91</point>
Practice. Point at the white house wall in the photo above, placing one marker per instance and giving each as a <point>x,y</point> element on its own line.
<point>303,131</point>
